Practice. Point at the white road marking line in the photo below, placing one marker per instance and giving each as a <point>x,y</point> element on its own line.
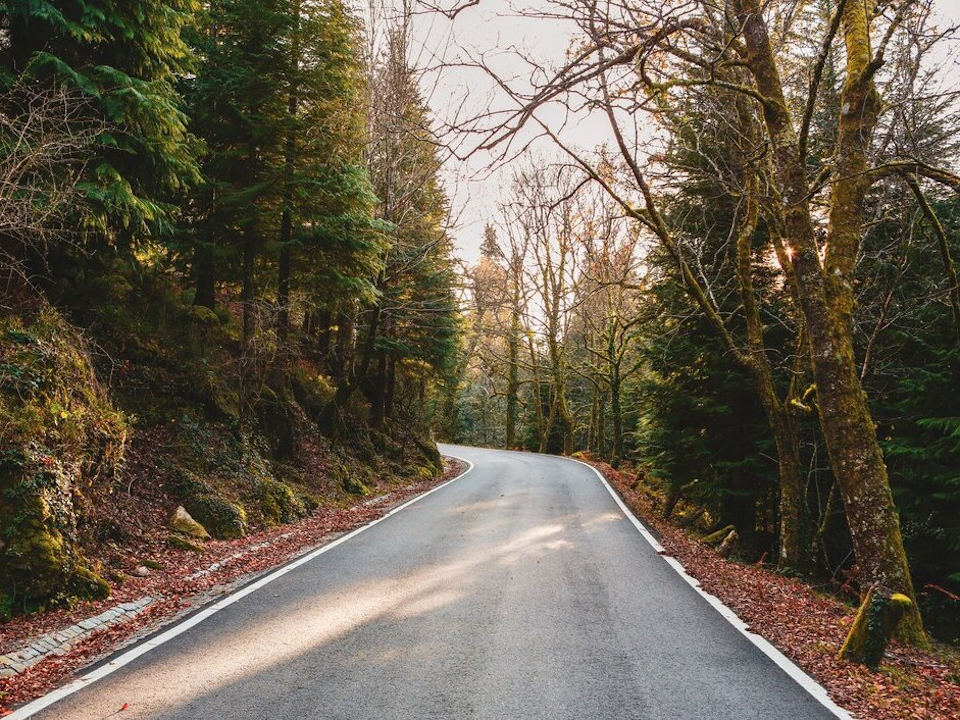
<point>782,661</point>
<point>41,703</point>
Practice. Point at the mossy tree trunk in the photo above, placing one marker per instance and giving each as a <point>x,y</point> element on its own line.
<point>825,290</point>
<point>876,623</point>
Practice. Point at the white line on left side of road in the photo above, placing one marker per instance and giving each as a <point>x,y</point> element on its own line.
<point>765,646</point>
<point>41,703</point>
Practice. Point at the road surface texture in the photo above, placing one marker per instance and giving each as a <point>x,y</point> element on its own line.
<point>518,591</point>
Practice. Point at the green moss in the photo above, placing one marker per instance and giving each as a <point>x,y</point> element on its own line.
<point>354,485</point>
<point>873,627</point>
<point>715,538</point>
<point>280,503</point>
<point>203,315</point>
<point>181,544</point>
<point>37,559</point>
<point>110,290</point>
<point>223,519</point>
<point>152,564</point>
<point>87,585</point>
<point>59,433</point>
<point>185,484</point>
<point>313,391</point>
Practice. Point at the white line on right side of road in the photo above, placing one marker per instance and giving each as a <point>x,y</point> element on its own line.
<point>45,701</point>
<point>781,660</point>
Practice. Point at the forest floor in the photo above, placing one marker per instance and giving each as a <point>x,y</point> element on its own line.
<point>182,581</point>
<point>808,626</point>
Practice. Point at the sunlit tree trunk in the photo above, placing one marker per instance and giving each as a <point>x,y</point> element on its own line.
<point>826,293</point>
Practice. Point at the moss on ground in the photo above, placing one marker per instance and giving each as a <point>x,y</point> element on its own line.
<point>181,544</point>
<point>280,503</point>
<point>59,434</point>
<point>223,519</point>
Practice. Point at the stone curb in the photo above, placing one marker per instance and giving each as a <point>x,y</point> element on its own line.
<point>61,641</point>
<point>246,551</point>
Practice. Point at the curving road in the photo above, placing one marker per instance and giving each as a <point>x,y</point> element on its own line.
<point>520,590</point>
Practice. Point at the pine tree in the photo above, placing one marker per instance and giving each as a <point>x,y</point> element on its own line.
<point>123,58</point>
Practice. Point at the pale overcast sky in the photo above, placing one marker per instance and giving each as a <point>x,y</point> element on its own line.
<point>493,28</point>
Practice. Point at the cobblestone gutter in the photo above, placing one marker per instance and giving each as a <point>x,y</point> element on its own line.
<point>61,641</point>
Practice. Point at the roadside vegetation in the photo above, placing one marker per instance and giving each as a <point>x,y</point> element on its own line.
<point>226,285</point>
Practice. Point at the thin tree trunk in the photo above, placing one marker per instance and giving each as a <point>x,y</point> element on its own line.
<point>247,290</point>
<point>513,379</point>
<point>286,217</point>
<point>250,242</point>
<point>343,362</point>
<point>391,387</point>
<point>602,426</point>
<point>944,247</point>
<point>203,267</point>
<point>283,279</point>
<point>322,329</point>
<point>616,413</point>
<point>594,418</point>
<point>379,395</point>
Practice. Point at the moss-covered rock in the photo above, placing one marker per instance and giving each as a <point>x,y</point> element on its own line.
<point>874,626</point>
<point>87,585</point>
<point>203,316</point>
<point>716,538</point>
<point>223,519</point>
<point>354,485</point>
<point>58,433</point>
<point>280,503</point>
<point>37,558</point>
<point>182,544</point>
<point>183,522</point>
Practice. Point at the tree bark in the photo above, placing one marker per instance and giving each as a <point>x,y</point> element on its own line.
<point>247,290</point>
<point>204,271</point>
<point>322,328</point>
<point>286,217</point>
<point>378,397</point>
<point>250,242</point>
<point>826,294</point>
<point>513,379</point>
<point>616,413</point>
<point>391,387</point>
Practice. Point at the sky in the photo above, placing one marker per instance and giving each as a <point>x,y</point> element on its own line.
<point>494,30</point>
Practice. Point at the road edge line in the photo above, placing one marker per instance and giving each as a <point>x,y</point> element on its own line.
<point>795,672</point>
<point>142,648</point>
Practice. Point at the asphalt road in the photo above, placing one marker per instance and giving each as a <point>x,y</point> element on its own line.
<point>518,591</point>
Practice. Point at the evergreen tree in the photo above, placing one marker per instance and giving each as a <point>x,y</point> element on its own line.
<point>123,58</point>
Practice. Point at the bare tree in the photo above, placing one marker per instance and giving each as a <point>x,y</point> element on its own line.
<point>46,136</point>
